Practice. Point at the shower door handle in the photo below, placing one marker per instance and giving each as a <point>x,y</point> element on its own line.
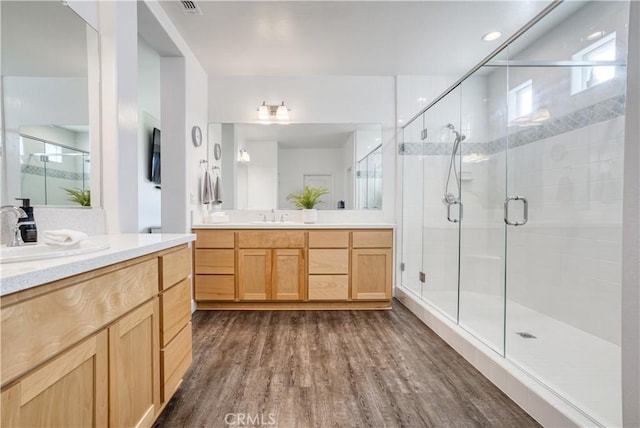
<point>525,211</point>
<point>454,220</point>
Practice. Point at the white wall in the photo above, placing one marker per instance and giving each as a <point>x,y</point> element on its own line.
<point>413,93</point>
<point>149,197</point>
<point>262,174</point>
<point>315,99</point>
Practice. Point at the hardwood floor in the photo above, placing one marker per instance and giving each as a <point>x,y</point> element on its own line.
<point>331,369</point>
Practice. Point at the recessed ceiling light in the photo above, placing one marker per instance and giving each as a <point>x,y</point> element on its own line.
<point>494,35</point>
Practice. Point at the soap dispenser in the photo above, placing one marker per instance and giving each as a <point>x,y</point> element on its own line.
<point>27,225</point>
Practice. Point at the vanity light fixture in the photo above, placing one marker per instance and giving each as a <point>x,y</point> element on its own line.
<point>596,35</point>
<point>268,111</point>
<point>243,156</point>
<point>491,36</point>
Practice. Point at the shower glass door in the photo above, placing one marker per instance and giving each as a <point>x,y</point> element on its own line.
<point>565,160</point>
<point>441,221</point>
<point>410,154</point>
<point>482,235</point>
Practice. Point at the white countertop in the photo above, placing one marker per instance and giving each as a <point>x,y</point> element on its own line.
<point>292,225</point>
<point>22,275</point>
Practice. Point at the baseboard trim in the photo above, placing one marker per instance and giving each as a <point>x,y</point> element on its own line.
<point>293,306</point>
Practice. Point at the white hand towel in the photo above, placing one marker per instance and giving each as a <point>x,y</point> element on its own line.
<point>63,237</point>
<point>207,188</point>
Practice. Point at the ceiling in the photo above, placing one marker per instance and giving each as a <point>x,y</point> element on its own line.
<point>296,38</point>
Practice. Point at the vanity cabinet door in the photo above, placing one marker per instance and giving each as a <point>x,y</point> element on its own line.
<point>254,274</point>
<point>70,390</point>
<point>134,364</point>
<point>271,274</point>
<point>288,274</point>
<point>371,273</point>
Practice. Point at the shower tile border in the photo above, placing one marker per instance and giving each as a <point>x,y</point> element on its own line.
<point>602,111</point>
<point>54,173</point>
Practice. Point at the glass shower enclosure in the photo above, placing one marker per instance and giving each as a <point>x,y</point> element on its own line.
<point>47,169</point>
<point>512,203</point>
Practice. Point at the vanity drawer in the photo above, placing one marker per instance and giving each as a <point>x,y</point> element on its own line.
<point>329,239</point>
<point>175,360</point>
<point>215,287</point>
<point>328,287</point>
<point>271,239</point>
<point>373,239</point>
<point>175,310</point>
<point>174,266</point>
<point>215,238</point>
<point>328,261</point>
<point>215,262</point>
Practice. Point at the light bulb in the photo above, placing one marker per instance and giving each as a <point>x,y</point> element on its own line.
<point>282,113</point>
<point>263,112</point>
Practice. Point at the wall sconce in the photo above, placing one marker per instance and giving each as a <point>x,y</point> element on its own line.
<point>243,156</point>
<point>267,111</point>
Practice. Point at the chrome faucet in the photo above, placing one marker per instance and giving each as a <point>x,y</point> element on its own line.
<point>16,239</point>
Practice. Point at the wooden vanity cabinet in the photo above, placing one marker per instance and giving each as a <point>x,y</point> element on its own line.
<point>86,350</point>
<point>293,269</point>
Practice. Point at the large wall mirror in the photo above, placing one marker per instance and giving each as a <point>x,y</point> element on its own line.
<point>270,162</point>
<point>50,84</point>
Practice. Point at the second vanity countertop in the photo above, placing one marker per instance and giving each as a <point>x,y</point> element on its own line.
<point>19,276</point>
<point>292,225</point>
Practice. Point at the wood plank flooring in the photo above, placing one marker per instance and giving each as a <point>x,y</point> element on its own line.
<point>331,369</point>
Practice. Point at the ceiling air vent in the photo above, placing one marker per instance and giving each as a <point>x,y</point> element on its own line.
<point>191,8</point>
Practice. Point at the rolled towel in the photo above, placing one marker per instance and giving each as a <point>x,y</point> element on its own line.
<point>63,237</point>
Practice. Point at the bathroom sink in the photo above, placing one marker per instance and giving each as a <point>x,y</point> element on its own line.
<point>31,252</point>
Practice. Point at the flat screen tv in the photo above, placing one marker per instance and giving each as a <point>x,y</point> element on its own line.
<point>154,176</point>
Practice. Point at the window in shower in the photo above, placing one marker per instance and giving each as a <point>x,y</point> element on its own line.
<point>53,153</point>
<point>588,76</point>
<point>521,101</point>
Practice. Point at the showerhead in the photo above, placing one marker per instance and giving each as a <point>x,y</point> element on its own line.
<point>449,198</point>
<point>459,137</point>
